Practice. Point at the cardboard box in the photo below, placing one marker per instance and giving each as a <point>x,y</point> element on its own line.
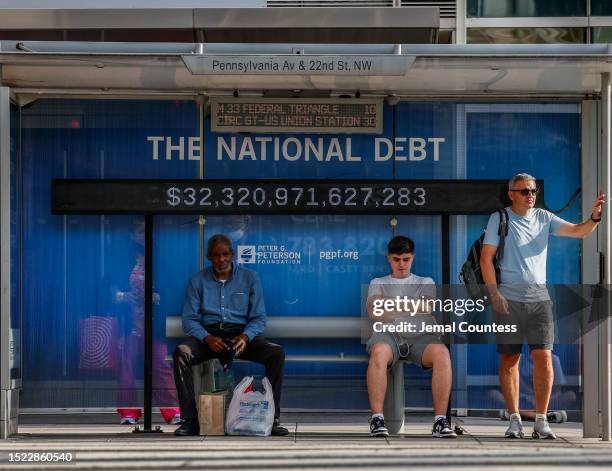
<point>212,413</point>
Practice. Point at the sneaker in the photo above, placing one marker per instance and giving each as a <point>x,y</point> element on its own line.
<point>278,430</point>
<point>542,430</point>
<point>378,428</point>
<point>128,421</point>
<point>557,416</point>
<point>442,429</point>
<point>515,429</point>
<point>503,414</point>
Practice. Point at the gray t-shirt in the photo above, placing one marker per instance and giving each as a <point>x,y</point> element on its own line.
<point>523,267</point>
<point>413,287</point>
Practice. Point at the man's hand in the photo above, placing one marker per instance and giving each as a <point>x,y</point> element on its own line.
<point>240,343</point>
<point>216,344</point>
<point>580,231</point>
<point>500,304</point>
<point>597,207</point>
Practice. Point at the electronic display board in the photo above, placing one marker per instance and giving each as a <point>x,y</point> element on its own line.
<point>278,196</point>
<point>297,115</point>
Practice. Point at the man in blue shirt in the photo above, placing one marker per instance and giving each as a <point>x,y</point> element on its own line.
<point>223,316</point>
<point>521,301</point>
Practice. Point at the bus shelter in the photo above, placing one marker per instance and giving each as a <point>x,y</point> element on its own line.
<point>239,112</point>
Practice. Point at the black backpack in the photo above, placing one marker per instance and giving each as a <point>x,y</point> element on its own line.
<point>470,271</point>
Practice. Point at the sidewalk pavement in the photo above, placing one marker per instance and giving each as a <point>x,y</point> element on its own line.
<point>316,441</point>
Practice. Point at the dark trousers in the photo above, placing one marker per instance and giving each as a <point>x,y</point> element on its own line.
<point>193,352</point>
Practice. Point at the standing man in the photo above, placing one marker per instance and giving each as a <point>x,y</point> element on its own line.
<point>421,348</point>
<point>521,299</point>
<point>223,316</point>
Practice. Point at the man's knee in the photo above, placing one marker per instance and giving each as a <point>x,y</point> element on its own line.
<point>275,354</point>
<point>381,355</point>
<point>278,353</point>
<point>541,357</point>
<point>508,361</point>
<point>436,356</point>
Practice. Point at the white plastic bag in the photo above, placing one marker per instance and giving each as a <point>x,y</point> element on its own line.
<point>250,412</point>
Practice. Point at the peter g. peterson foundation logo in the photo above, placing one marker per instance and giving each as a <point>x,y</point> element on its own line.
<point>268,255</point>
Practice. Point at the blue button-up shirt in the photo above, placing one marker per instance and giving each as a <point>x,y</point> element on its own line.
<point>239,300</point>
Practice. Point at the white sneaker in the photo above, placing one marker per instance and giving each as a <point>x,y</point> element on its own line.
<point>542,430</point>
<point>515,429</point>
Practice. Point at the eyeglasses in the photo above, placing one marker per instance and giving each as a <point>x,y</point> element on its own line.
<point>526,191</point>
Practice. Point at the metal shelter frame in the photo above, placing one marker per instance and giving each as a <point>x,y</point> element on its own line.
<point>579,73</point>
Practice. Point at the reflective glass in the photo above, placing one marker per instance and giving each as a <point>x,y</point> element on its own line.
<point>601,7</point>
<point>602,34</point>
<point>513,8</point>
<point>526,35</point>
<point>84,275</point>
<point>477,384</point>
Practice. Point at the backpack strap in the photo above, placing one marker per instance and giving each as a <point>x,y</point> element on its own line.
<point>502,232</point>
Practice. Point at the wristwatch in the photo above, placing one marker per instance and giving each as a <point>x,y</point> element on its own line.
<point>595,220</point>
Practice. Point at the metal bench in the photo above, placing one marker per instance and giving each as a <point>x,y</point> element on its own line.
<point>310,328</point>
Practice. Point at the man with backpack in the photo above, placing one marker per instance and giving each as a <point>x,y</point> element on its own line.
<point>521,299</point>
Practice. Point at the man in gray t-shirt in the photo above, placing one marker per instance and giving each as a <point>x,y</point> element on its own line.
<point>521,299</point>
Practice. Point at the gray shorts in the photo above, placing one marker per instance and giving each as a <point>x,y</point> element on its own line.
<point>534,322</point>
<point>408,349</point>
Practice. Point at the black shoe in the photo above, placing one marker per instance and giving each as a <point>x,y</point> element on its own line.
<point>188,428</point>
<point>278,430</point>
<point>378,428</point>
<point>442,429</point>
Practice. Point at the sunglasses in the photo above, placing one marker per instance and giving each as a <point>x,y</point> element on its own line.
<point>526,191</point>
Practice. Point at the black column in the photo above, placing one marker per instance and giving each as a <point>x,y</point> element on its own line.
<point>148,328</point>
<point>446,286</point>
<point>148,353</point>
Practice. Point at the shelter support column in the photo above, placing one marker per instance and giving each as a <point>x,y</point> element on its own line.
<point>590,260</point>
<point>605,248</point>
<point>9,391</point>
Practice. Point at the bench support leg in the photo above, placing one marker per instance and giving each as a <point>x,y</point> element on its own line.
<point>203,379</point>
<point>394,399</point>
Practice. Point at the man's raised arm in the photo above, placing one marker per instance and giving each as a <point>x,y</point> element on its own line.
<point>583,229</point>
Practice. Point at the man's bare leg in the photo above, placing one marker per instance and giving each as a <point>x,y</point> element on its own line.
<point>381,356</point>
<point>509,380</point>
<point>436,356</point>
<point>543,377</point>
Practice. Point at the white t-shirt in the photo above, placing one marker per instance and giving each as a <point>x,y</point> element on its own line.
<point>412,287</point>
